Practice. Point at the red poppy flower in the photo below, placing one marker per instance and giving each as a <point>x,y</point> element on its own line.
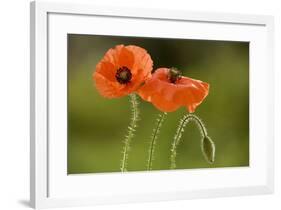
<point>167,90</point>
<point>122,70</point>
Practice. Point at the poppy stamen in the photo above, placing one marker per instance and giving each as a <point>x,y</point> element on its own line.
<point>123,75</point>
<point>174,75</point>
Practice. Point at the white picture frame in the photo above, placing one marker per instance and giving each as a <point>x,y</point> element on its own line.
<point>50,186</point>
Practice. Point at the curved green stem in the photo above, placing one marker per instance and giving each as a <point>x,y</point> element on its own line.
<point>183,122</point>
<point>131,131</point>
<point>154,136</point>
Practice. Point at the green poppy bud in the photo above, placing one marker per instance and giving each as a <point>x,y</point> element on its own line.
<point>208,149</point>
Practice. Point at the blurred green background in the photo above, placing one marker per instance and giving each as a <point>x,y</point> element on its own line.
<point>97,126</point>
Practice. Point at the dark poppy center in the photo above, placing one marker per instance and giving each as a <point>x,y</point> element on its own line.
<point>123,75</point>
<point>174,75</point>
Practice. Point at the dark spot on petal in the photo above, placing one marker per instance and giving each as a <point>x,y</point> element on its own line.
<point>123,75</point>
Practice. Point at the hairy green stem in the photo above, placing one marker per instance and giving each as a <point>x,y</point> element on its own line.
<point>131,131</point>
<point>183,122</point>
<point>154,137</point>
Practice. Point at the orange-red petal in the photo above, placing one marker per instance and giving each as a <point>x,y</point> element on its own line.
<point>126,58</point>
<point>107,70</point>
<point>142,60</point>
<point>168,97</point>
<point>105,87</point>
<point>191,93</point>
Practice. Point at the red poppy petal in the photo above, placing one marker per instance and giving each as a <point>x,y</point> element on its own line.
<point>164,105</point>
<point>139,78</point>
<point>112,55</point>
<point>107,69</point>
<point>158,93</point>
<point>142,60</point>
<point>191,93</point>
<point>126,58</point>
<point>107,88</point>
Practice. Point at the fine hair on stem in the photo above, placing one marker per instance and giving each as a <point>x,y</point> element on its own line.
<point>131,131</point>
<point>207,145</point>
<point>154,136</point>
